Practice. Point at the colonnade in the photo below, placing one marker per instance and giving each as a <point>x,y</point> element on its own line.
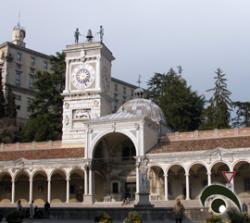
<point>175,180</point>
<point>192,179</point>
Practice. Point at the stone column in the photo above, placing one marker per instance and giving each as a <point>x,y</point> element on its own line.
<point>208,178</point>
<point>88,195</point>
<point>85,182</point>
<point>166,186</point>
<point>49,189</point>
<point>137,179</point>
<point>90,182</point>
<point>13,191</point>
<point>67,189</point>
<point>187,187</point>
<point>31,189</point>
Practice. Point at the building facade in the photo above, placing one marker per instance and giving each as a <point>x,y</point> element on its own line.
<point>19,64</point>
<point>104,157</point>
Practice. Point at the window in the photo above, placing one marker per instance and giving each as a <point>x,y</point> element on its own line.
<point>18,107</point>
<point>115,188</point>
<point>32,70</point>
<point>29,101</point>
<point>246,184</point>
<point>18,66</point>
<point>18,78</point>
<point>116,87</point>
<point>45,65</point>
<point>19,56</point>
<point>124,90</point>
<point>30,81</point>
<point>33,61</point>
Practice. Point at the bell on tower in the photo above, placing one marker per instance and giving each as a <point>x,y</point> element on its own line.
<point>18,35</point>
<point>89,36</point>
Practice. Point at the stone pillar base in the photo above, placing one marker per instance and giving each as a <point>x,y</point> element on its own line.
<point>88,199</point>
<point>142,200</point>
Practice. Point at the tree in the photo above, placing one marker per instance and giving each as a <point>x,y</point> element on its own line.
<point>242,118</point>
<point>45,122</point>
<point>11,105</point>
<point>181,106</point>
<point>217,113</point>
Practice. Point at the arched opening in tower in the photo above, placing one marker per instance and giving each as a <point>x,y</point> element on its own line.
<point>114,168</point>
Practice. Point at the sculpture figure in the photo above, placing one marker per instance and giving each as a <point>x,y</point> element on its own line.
<point>77,34</point>
<point>101,33</point>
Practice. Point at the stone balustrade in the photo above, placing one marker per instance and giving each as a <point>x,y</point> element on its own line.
<point>208,134</point>
<point>31,146</point>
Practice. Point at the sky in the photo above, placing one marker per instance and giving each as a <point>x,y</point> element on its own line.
<point>147,36</point>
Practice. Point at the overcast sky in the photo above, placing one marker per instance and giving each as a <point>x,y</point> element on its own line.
<point>147,36</point>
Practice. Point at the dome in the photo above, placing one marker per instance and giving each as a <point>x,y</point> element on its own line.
<point>144,107</point>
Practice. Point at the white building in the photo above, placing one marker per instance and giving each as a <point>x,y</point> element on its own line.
<point>105,156</point>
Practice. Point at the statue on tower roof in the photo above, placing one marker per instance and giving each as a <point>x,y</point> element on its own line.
<point>101,33</point>
<point>77,34</point>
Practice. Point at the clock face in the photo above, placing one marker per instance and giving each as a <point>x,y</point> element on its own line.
<point>83,76</point>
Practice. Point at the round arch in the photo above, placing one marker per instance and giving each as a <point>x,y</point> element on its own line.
<point>197,162</point>
<point>40,186</point>
<point>58,185</point>
<point>220,162</point>
<point>176,164</point>
<point>197,179</point>
<point>216,170</point>
<point>114,158</point>
<point>76,188</point>
<point>99,137</point>
<point>22,179</point>
<point>6,186</point>
<point>242,178</point>
<point>237,162</point>
<point>156,182</point>
<point>176,182</point>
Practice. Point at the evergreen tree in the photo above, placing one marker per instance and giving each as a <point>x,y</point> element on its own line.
<point>45,122</point>
<point>242,118</point>
<point>217,113</point>
<point>181,106</point>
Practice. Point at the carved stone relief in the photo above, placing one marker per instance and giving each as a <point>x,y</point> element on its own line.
<point>81,114</point>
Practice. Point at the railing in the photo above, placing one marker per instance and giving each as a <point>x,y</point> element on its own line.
<point>206,134</point>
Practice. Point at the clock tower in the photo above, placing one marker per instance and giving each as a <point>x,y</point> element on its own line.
<point>87,92</point>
